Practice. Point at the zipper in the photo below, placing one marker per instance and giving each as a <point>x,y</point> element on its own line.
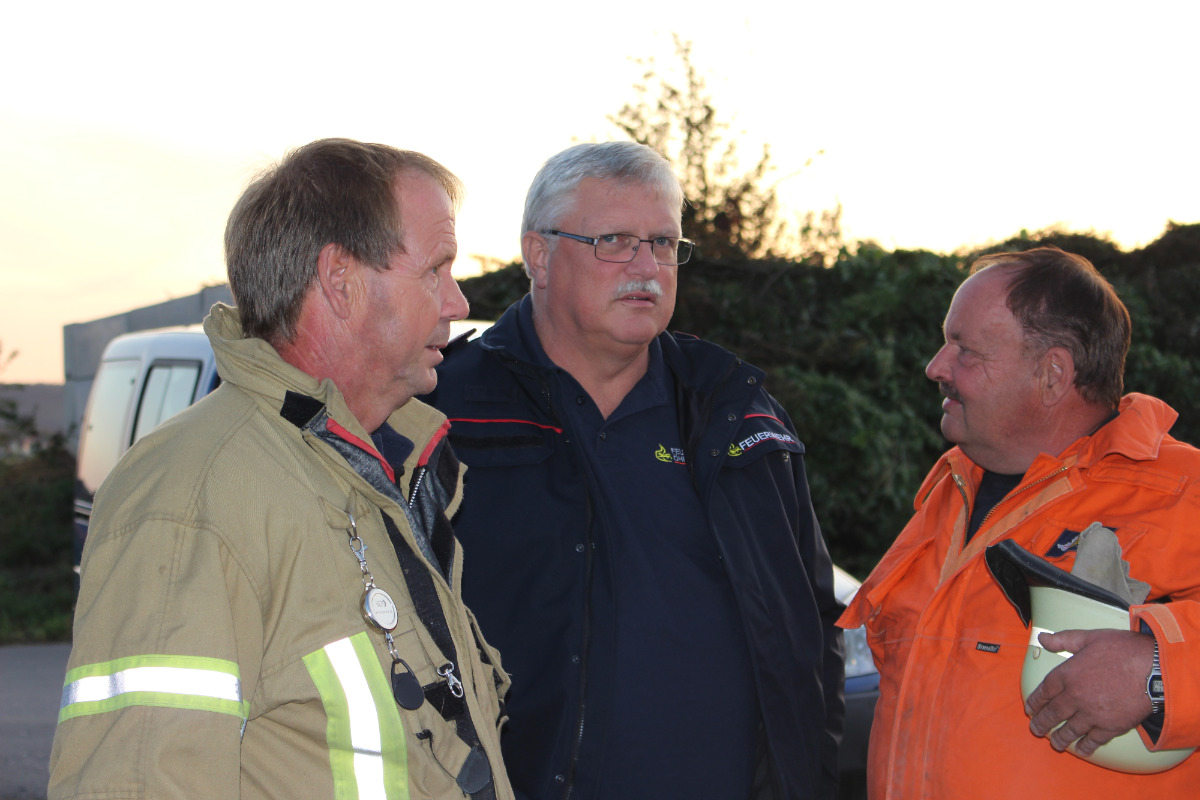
<point>418,478</point>
<point>960,482</point>
<point>583,656</point>
<point>573,760</point>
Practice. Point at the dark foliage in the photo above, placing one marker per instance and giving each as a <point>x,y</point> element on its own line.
<point>37,586</point>
<point>845,349</point>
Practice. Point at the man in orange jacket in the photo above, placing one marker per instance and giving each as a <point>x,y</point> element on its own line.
<point>1045,445</point>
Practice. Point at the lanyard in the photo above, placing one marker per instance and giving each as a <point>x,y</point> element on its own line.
<point>379,609</point>
<point>446,696</point>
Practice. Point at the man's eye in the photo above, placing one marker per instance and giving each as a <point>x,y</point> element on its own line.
<point>665,241</point>
<point>610,238</point>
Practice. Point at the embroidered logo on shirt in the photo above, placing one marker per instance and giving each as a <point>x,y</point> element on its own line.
<point>1067,541</point>
<point>987,647</point>
<point>757,439</point>
<point>673,455</point>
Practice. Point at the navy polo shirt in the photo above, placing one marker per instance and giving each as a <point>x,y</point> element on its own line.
<point>685,710</point>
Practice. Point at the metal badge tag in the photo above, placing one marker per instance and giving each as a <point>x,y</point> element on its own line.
<point>379,609</point>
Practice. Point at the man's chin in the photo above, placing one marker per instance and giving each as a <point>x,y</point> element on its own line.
<point>951,430</point>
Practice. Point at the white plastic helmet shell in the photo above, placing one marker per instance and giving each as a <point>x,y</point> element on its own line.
<point>1057,610</point>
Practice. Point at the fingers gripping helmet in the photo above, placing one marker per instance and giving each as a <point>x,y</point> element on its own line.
<point>1050,600</point>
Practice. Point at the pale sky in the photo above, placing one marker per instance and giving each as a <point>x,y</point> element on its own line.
<point>129,128</point>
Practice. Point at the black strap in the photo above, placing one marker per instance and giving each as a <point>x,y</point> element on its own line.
<point>422,591</point>
<point>299,409</point>
<point>475,776</point>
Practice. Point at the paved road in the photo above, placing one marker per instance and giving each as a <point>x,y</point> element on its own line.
<point>31,679</point>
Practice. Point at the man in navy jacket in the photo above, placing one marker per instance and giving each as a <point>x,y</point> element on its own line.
<point>639,539</point>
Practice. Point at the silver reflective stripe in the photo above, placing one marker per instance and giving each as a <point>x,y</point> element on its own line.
<point>365,737</point>
<point>167,680</point>
<point>162,681</point>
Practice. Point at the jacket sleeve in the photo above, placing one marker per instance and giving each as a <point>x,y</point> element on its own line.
<point>1174,572</point>
<point>1176,628</point>
<point>155,694</point>
<point>815,555</point>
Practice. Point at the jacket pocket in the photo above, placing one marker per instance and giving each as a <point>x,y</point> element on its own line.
<point>433,724</point>
<point>891,616</point>
<point>501,442</point>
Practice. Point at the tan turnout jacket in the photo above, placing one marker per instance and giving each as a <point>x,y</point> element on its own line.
<point>220,650</point>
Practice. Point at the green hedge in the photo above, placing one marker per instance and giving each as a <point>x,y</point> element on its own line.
<point>845,348</point>
<point>37,584</point>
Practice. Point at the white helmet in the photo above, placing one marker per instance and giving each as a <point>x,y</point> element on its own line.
<point>1055,600</point>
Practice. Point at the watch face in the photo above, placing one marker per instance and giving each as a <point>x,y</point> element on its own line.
<point>1155,688</point>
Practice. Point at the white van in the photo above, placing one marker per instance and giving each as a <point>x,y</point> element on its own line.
<point>143,379</point>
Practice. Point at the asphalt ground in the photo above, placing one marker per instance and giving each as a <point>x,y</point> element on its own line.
<point>31,679</point>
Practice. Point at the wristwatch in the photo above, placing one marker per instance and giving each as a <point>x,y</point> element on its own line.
<point>1154,685</point>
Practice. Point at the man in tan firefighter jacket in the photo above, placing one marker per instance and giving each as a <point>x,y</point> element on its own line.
<point>270,601</point>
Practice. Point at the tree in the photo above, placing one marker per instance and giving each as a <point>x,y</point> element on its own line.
<point>18,432</point>
<point>730,214</point>
<point>6,358</point>
<point>37,477</point>
<point>13,427</point>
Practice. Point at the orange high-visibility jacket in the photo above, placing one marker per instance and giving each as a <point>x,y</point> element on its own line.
<point>950,721</point>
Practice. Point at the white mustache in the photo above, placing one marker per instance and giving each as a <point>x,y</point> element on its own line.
<point>652,287</point>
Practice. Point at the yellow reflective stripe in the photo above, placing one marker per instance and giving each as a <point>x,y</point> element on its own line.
<point>367,751</point>
<point>362,719</point>
<point>185,682</point>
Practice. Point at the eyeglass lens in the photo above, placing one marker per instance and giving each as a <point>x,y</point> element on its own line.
<point>622,248</point>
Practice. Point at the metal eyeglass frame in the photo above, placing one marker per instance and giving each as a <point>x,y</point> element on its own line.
<point>594,242</point>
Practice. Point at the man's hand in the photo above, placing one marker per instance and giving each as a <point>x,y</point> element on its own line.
<point>1100,692</point>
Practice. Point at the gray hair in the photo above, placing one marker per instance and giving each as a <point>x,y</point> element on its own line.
<point>335,191</point>
<point>552,193</point>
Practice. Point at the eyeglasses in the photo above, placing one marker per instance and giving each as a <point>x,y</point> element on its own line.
<point>621,248</point>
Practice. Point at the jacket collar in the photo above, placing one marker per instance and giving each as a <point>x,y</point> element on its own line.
<point>1136,433</point>
<point>254,366</point>
<point>698,364</point>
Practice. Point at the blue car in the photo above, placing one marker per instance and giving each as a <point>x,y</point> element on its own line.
<point>862,690</point>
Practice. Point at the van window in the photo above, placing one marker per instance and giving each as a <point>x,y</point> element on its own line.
<point>102,441</point>
<point>170,386</point>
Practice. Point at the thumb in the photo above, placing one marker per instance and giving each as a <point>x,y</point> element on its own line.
<point>1063,640</point>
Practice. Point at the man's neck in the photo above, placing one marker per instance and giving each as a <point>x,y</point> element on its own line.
<point>330,361</point>
<point>606,376</point>
<point>607,381</point>
<point>1056,433</point>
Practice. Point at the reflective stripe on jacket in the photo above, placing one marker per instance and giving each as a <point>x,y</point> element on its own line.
<point>204,684</point>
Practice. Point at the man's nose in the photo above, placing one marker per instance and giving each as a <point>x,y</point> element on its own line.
<point>934,369</point>
<point>643,262</point>
<point>454,303</point>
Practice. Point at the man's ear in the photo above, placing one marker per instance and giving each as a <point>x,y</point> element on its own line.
<point>536,252</point>
<point>337,272</point>
<point>1058,375</point>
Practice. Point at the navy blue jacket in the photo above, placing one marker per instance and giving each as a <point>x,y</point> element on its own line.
<point>528,527</point>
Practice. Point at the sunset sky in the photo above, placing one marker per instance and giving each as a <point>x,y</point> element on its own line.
<point>128,129</point>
